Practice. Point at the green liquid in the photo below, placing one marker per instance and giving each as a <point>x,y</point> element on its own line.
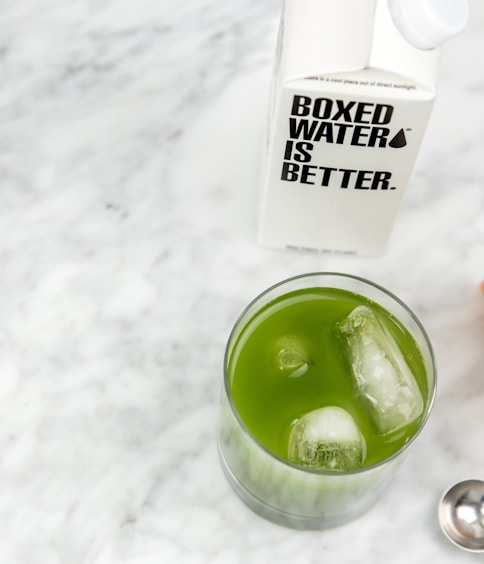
<point>269,399</point>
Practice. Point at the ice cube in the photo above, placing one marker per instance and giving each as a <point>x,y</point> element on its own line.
<point>292,357</point>
<point>380,371</point>
<point>328,439</point>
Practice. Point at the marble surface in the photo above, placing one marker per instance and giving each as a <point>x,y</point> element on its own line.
<point>130,151</point>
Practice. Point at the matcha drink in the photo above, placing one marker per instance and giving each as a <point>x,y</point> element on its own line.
<point>294,357</point>
<point>328,380</point>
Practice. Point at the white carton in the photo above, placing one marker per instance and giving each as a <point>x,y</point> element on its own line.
<point>350,102</point>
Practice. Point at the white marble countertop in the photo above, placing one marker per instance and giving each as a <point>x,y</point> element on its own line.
<point>130,143</point>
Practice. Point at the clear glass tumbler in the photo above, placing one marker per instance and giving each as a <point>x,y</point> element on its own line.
<point>297,496</point>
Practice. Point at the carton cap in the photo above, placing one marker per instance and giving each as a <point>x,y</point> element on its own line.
<point>427,24</point>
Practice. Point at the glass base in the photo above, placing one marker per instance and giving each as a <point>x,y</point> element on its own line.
<point>283,518</point>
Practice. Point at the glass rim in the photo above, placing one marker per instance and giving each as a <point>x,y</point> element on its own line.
<point>315,471</point>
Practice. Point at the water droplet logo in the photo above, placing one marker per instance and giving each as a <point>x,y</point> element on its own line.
<point>399,140</point>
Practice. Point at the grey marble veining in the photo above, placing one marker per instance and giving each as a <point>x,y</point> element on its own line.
<point>131,134</point>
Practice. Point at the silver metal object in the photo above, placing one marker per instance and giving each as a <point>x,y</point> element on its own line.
<point>461,515</point>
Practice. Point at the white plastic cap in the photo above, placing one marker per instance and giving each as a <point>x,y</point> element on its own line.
<point>427,24</point>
